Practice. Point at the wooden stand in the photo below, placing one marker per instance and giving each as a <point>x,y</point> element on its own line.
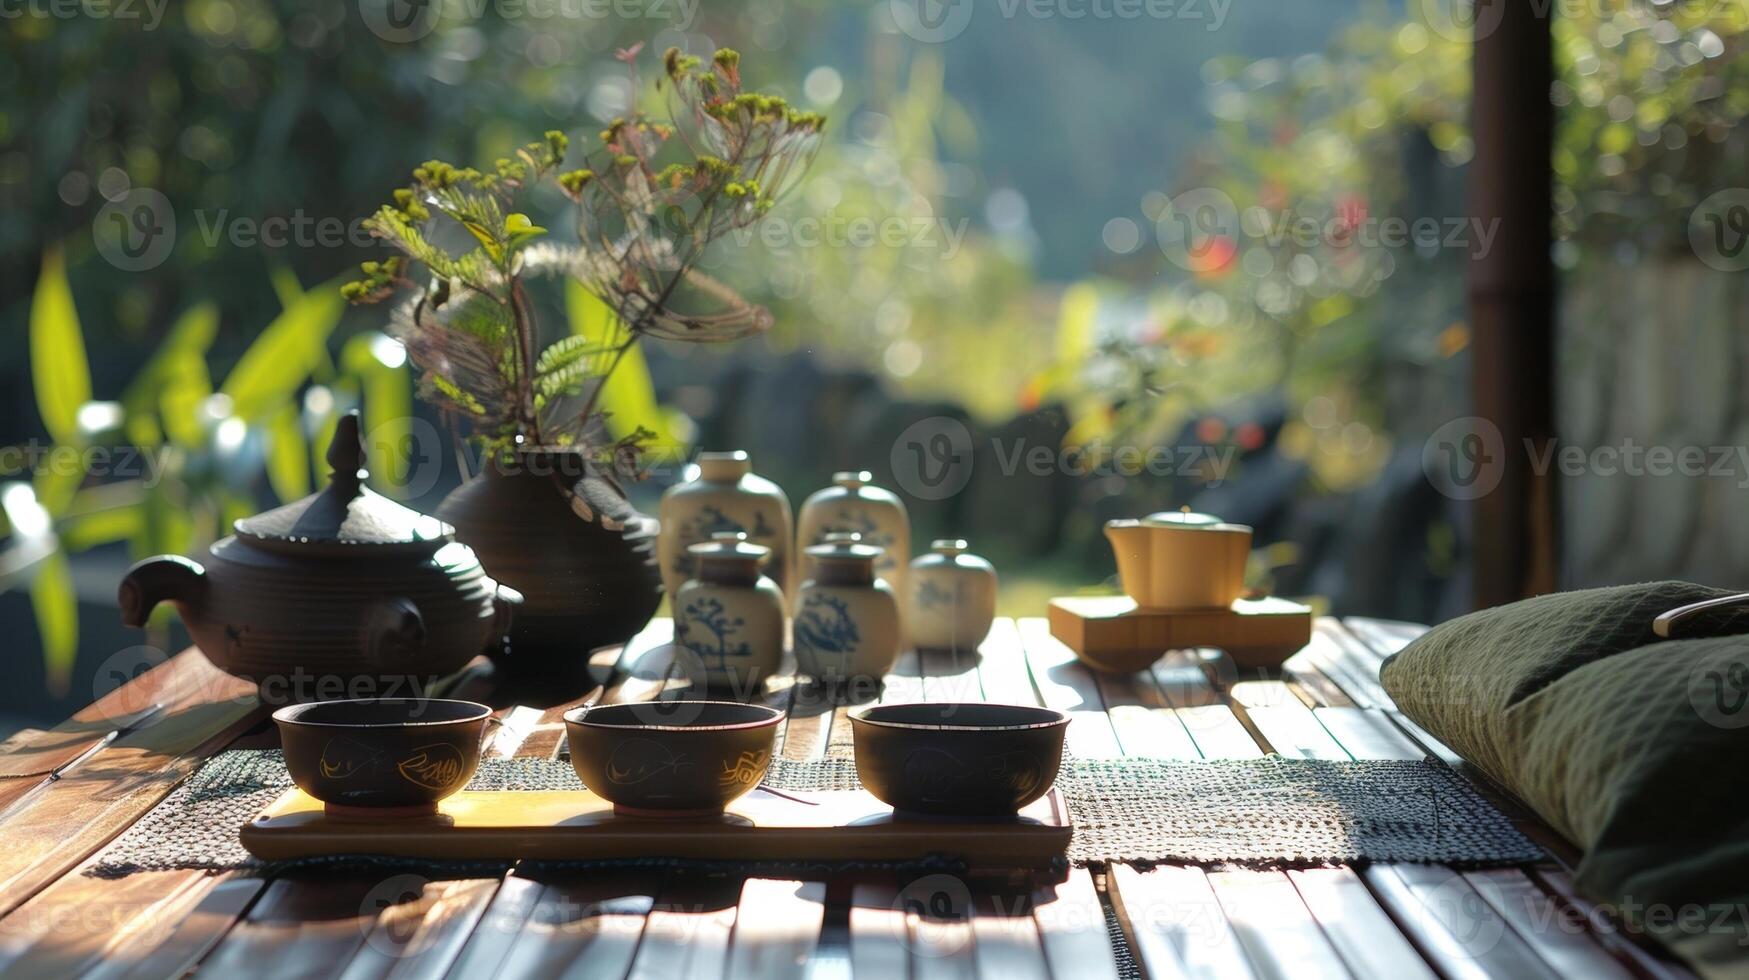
<point>577,825</point>
<point>1112,634</point>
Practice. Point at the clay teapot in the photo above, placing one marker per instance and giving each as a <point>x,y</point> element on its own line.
<point>1180,560</point>
<point>344,593</point>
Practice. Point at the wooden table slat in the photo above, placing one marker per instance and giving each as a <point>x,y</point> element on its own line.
<point>879,934</point>
<point>1367,733</point>
<point>1361,931</point>
<point>1006,940</point>
<point>1175,924</point>
<point>595,921</point>
<point>778,929</point>
<point>1064,683</point>
<point>53,831</point>
<point>71,925</point>
<point>421,937</point>
<point>1279,933</point>
<point>1003,673</point>
<point>1285,722</point>
<point>1452,925</point>
<point>1568,948</point>
<point>186,939</point>
<point>1346,661</point>
<point>294,932</point>
<point>1071,927</point>
<point>488,945</point>
<point>1383,636</point>
<point>1145,723</point>
<point>686,933</point>
<point>950,675</point>
<point>1647,961</point>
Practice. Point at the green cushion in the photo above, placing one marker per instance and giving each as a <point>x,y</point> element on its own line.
<point>1634,748</point>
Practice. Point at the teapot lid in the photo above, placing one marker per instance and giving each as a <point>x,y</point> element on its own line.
<point>346,512</point>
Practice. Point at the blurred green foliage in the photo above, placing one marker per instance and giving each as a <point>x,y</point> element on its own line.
<point>168,465</point>
<point>1650,101</point>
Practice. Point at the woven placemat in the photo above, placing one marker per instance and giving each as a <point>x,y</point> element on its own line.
<point>1270,812</point>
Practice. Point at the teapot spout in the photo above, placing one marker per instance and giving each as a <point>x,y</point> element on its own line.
<point>1129,543</point>
<point>165,578</point>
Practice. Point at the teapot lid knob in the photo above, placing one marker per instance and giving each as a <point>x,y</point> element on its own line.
<point>346,453</point>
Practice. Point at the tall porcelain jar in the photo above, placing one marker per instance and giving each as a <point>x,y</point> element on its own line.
<point>724,494</point>
<point>854,504</point>
<point>847,618</point>
<point>952,598</point>
<point>729,616</point>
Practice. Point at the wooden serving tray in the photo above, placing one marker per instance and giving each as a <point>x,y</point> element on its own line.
<point>1113,634</point>
<point>577,825</point>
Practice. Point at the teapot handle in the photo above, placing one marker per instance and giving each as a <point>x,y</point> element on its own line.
<point>394,632</point>
<point>171,578</point>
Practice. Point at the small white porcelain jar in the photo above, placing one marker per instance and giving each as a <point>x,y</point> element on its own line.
<point>722,493</point>
<point>853,504</point>
<point>847,618</point>
<point>952,598</point>
<point>729,617</point>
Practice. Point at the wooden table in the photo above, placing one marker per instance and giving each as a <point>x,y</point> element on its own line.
<point>1386,921</point>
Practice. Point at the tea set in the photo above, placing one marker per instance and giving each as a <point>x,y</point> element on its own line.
<point>399,757</point>
<point>349,583</point>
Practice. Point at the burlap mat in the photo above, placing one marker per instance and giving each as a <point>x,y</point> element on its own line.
<point>1270,812</point>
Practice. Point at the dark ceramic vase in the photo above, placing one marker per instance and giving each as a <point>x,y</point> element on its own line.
<point>549,526</point>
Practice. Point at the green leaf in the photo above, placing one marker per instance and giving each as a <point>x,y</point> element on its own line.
<point>288,466</point>
<point>285,284</point>
<point>628,395</point>
<point>568,351</point>
<point>56,482</point>
<point>56,605</point>
<point>102,527</point>
<point>282,357</point>
<point>165,397</point>
<point>59,370</point>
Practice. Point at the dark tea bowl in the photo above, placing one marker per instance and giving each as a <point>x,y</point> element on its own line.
<point>381,757</point>
<point>957,759</point>
<point>671,758</point>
